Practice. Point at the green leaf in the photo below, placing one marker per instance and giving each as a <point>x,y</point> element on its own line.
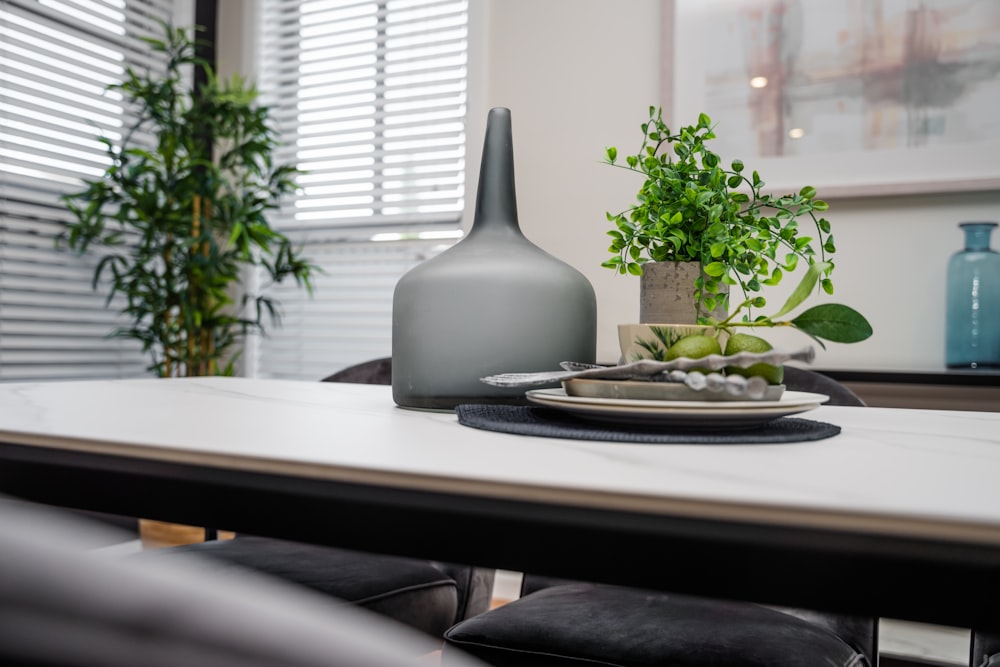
<point>808,192</point>
<point>834,322</point>
<point>715,269</point>
<point>612,154</point>
<point>803,290</point>
<point>775,278</point>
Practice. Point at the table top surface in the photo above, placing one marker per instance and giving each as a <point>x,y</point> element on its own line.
<point>912,473</point>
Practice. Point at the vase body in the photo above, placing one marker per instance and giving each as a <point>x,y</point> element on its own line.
<point>666,293</point>
<point>973,301</point>
<point>492,303</point>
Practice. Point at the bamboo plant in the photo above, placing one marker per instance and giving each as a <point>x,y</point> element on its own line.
<point>179,215</point>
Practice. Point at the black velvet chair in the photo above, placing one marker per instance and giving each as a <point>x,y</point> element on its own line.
<point>557,622</point>
<point>63,605</point>
<point>985,650</point>
<point>427,595</point>
<point>127,527</point>
<point>804,379</point>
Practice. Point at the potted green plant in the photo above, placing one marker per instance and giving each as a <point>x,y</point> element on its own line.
<point>179,215</point>
<point>693,209</point>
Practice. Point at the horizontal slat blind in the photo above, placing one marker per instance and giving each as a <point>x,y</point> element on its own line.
<point>56,60</point>
<point>350,319</point>
<point>369,98</point>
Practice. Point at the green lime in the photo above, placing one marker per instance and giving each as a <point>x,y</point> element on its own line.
<point>746,343</point>
<point>694,347</point>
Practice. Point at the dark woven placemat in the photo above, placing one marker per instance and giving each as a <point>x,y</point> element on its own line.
<point>549,423</point>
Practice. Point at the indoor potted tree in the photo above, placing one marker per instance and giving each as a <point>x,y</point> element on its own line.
<point>179,214</point>
<point>727,232</point>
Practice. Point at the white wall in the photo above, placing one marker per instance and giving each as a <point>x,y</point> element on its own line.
<point>578,75</point>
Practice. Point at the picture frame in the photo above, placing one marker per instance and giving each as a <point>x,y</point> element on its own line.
<point>886,99</point>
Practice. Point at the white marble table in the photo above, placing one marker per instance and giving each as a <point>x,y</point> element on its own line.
<point>897,516</point>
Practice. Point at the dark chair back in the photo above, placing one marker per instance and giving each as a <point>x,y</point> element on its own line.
<point>375,371</point>
<point>803,379</point>
<point>985,649</point>
<point>62,606</point>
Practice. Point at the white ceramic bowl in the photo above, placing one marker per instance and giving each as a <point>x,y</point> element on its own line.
<point>641,341</point>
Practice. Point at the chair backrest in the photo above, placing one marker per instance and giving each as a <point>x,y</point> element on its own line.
<point>803,379</point>
<point>985,649</point>
<point>62,606</point>
<point>375,371</point>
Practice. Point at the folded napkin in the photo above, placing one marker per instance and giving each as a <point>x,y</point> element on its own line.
<point>549,423</point>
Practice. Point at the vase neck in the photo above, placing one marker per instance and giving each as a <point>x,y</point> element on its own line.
<point>977,234</point>
<point>496,200</point>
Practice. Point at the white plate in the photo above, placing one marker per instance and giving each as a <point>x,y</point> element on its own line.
<point>689,414</point>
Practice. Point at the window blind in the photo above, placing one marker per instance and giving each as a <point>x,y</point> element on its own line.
<point>369,99</point>
<point>56,59</point>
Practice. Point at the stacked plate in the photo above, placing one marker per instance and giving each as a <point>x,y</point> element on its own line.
<point>659,403</point>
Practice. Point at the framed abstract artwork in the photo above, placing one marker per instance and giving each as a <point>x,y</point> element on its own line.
<point>857,98</point>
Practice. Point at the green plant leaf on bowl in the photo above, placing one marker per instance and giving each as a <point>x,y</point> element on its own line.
<point>834,322</point>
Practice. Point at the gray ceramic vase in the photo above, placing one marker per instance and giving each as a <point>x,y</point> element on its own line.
<point>492,303</point>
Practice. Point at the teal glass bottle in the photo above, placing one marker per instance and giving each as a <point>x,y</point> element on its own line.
<point>973,302</point>
<point>492,303</point>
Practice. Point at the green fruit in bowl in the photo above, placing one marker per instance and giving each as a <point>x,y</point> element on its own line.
<point>741,342</point>
<point>694,347</point>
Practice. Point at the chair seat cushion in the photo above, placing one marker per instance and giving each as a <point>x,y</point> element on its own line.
<point>411,591</point>
<point>591,624</point>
